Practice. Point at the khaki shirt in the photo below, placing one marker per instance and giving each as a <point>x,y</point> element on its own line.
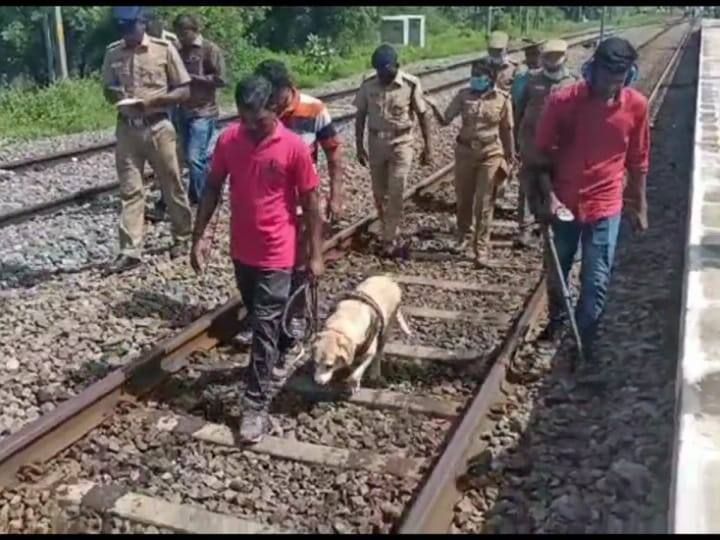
<point>203,59</point>
<point>506,75</point>
<point>172,38</point>
<point>530,105</point>
<point>151,69</point>
<point>390,108</point>
<point>484,116</point>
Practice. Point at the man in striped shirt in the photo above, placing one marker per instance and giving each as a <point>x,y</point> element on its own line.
<point>309,118</point>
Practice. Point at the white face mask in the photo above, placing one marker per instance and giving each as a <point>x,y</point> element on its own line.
<point>554,75</point>
<point>499,60</point>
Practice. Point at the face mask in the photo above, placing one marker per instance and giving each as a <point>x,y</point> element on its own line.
<point>555,75</point>
<point>480,83</point>
<point>498,60</point>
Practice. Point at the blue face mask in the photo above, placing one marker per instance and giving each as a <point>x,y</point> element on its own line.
<point>480,83</point>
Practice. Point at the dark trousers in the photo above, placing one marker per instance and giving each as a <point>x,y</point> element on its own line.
<point>265,293</point>
<point>598,240</point>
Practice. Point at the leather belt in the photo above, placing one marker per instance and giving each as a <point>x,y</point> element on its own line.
<point>377,327</point>
<point>475,144</point>
<point>144,121</point>
<point>389,133</point>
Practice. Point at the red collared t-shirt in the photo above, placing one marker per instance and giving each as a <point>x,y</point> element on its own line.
<point>265,180</point>
<point>592,143</point>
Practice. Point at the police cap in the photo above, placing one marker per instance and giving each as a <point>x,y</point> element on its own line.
<point>555,46</point>
<point>498,40</point>
<point>129,13</point>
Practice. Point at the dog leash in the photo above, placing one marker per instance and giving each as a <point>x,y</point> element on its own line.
<point>309,288</point>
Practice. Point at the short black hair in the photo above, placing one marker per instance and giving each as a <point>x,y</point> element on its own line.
<point>253,93</point>
<point>615,54</point>
<point>187,19</point>
<point>276,72</point>
<point>384,55</point>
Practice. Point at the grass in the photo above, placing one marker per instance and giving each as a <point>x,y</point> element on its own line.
<point>78,105</point>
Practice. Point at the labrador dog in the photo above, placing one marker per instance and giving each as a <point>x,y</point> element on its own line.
<point>351,326</point>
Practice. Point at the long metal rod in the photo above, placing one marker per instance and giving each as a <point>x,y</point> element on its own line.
<point>567,298</point>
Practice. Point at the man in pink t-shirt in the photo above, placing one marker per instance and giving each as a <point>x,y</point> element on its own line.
<point>270,171</point>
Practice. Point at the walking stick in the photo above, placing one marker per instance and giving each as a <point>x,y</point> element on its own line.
<point>562,214</point>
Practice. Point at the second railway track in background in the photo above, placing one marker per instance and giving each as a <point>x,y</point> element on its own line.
<point>430,412</point>
<point>77,197</point>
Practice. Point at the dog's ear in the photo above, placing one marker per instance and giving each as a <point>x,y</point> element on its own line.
<point>346,350</point>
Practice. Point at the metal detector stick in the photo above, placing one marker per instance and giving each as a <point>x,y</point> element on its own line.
<point>564,215</point>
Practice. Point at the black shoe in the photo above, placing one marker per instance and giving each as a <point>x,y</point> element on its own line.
<point>254,426</point>
<point>123,263</point>
<point>180,249</point>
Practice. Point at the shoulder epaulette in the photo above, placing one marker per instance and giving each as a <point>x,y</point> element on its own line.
<point>114,45</point>
<point>160,41</point>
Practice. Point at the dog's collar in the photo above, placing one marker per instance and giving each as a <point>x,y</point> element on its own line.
<point>377,326</point>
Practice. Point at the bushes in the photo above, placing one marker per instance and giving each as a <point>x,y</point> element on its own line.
<point>28,111</point>
<point>317,43</point>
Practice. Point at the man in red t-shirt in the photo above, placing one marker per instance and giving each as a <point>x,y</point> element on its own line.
<point>591,132</point>
<point>270,171</point>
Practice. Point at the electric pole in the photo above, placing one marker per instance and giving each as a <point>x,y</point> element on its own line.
<point>60,35</point>
<point>49,47</point>
<point>489,21</point>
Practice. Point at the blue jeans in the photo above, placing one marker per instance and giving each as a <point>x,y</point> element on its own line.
<point>598,240</point>
<point>196,134</point>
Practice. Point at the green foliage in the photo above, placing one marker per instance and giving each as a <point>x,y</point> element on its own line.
<point>28,111</point>
<point>318,43</point>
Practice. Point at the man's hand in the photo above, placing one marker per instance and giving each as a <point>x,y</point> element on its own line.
<point>198,252</point>
<point>317,266</point>
<point>549,209</point>
<point>638,218</point>
<point>362,155</point>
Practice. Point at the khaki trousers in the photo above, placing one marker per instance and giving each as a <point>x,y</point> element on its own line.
<point>389,169</point>
<point>135,146</point>
<point>476,182</point>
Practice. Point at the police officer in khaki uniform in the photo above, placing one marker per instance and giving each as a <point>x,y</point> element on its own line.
<point>145,77</point>
<point>388,100</point>
<point>484,148</point>
<point>530,102</point>
<point>507,70</point>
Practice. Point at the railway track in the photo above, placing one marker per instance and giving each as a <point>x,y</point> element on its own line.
<point>83,195</point>
<point>496,314</point>
<point>43,160</point>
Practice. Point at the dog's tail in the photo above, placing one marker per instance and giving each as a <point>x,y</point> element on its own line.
<point>402,322</point>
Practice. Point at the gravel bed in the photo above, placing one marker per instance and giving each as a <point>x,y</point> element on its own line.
<point>132,453</point>
<point>577,455</point>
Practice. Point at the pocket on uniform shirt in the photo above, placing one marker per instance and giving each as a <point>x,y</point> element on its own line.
<point>397,111</point>
<point>491,114</point>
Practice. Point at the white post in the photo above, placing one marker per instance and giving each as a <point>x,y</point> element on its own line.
<point>406,31</point>
<point>422,31</point>
<point>61,43</point>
